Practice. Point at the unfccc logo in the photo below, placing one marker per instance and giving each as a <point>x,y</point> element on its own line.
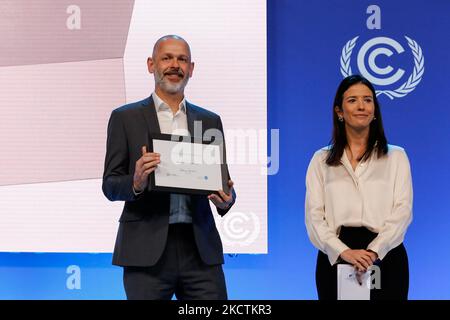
<point>240,228</point>
<point>382,46</point>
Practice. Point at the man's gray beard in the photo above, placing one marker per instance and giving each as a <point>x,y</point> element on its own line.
<point>169,87</point>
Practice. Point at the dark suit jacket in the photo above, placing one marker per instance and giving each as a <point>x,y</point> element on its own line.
<point>144,222</point>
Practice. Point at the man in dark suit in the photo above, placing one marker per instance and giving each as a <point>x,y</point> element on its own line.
<point>167,243</point>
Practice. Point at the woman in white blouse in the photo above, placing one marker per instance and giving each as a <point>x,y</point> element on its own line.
<point>359,196</point>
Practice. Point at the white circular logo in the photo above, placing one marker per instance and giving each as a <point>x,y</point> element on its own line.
<point>388,44</point>
<point>239,228</point>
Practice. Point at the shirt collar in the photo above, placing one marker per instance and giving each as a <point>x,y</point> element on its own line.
<point>345,159</point>
<point>160,105</point>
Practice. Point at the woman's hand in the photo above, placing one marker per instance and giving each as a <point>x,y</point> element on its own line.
<point>360,259</point>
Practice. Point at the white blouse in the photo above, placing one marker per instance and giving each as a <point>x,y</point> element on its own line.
<point>376,195</point>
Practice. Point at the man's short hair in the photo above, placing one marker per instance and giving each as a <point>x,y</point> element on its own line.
<point>166,37</point>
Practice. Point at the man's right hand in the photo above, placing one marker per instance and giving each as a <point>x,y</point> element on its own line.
<point>144,166</point>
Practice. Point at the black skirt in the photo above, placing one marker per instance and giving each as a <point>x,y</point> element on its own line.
<point>394,271</point>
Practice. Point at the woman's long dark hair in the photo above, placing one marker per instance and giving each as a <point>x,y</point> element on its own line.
<point>377,141</point>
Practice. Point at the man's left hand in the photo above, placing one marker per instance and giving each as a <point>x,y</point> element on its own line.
<point>224,201</point>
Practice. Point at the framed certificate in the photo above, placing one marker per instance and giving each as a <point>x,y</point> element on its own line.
<point>187,165</point>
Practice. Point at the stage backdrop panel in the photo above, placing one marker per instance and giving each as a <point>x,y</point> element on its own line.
<point>65,65</point>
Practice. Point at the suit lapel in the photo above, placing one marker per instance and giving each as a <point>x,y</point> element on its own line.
<point>192,116</point>
<point>149,112</point>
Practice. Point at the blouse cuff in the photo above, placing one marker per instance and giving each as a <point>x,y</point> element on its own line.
<point>334,248</point>
<point>376,247</point>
